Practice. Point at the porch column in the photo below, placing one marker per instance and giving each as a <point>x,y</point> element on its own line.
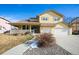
<point>30,28</point>
<point>26,27</point>
<point>21,27</point>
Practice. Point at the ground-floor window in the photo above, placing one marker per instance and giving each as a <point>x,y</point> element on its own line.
<point>24,27</point>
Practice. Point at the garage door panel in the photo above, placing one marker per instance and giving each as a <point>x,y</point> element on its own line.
<point>60,31</point>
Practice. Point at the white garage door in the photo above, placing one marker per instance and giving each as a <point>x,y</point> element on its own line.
<point>46,30</point>
<point>60,31</point>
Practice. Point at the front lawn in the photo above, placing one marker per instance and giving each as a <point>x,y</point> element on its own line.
<point>9,41</point>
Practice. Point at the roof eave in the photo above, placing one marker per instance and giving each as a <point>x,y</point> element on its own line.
<point>52,11</point>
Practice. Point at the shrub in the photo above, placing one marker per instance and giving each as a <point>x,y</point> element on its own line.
<point>29,36</point>
<point>46,39</point>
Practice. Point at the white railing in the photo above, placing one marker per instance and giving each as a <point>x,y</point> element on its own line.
<point>21,31</point>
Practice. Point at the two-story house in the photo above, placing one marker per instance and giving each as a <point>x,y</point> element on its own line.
<point>49,22</point>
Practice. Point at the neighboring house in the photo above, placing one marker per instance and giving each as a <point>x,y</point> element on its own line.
<point>49,22</point>
<point>4,26</point>
<point>75,25</point>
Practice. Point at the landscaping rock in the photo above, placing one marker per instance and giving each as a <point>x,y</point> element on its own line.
<point>32,43</point>
<point>54,50</point>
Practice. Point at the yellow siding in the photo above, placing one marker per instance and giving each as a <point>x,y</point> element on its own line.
<point>50,18</point>
<point>64,25</point>
<point>51,28</point>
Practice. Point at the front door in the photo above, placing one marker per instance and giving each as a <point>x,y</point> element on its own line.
<point>36,29</point>
<point>24,27</point>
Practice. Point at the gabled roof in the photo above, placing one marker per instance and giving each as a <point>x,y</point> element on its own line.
<point>76,19</point>
<point>52,12</point>
<point>64,24</point>
<point>4,19</point>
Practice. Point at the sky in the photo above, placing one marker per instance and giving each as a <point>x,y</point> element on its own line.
<point>14,12</point>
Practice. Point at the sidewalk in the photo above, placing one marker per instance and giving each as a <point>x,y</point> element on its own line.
<point>18,50</point>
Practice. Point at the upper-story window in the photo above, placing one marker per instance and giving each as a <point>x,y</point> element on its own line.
<point>44,18</point>
<point>56,18</point>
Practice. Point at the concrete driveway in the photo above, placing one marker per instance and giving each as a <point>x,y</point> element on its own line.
<point>69,43</point>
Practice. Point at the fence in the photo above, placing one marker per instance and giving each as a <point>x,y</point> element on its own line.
<point>21,31</point>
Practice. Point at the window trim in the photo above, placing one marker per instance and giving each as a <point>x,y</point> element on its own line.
<point>45,18</point>
<point>56,18</point>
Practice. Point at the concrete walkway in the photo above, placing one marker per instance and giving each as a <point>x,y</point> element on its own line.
<point>69,43</point>
<point>53,50</point>
<point>18,50</point>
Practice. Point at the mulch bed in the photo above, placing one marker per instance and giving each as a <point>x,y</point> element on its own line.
<point>53,50</point>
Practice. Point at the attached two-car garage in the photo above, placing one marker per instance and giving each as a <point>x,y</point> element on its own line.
<point>61,29</point>
<point>55,31</point>
<point>58,29</point>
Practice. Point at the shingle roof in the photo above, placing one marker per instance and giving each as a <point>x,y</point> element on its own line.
<point>4,19</point>
<point>23,23</point>
<point>75,19</point>
<point>33,20</point>
<point>47,24</point>
<point>52,12</point>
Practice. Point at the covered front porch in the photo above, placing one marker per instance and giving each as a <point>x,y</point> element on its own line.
<point>32,27</point>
